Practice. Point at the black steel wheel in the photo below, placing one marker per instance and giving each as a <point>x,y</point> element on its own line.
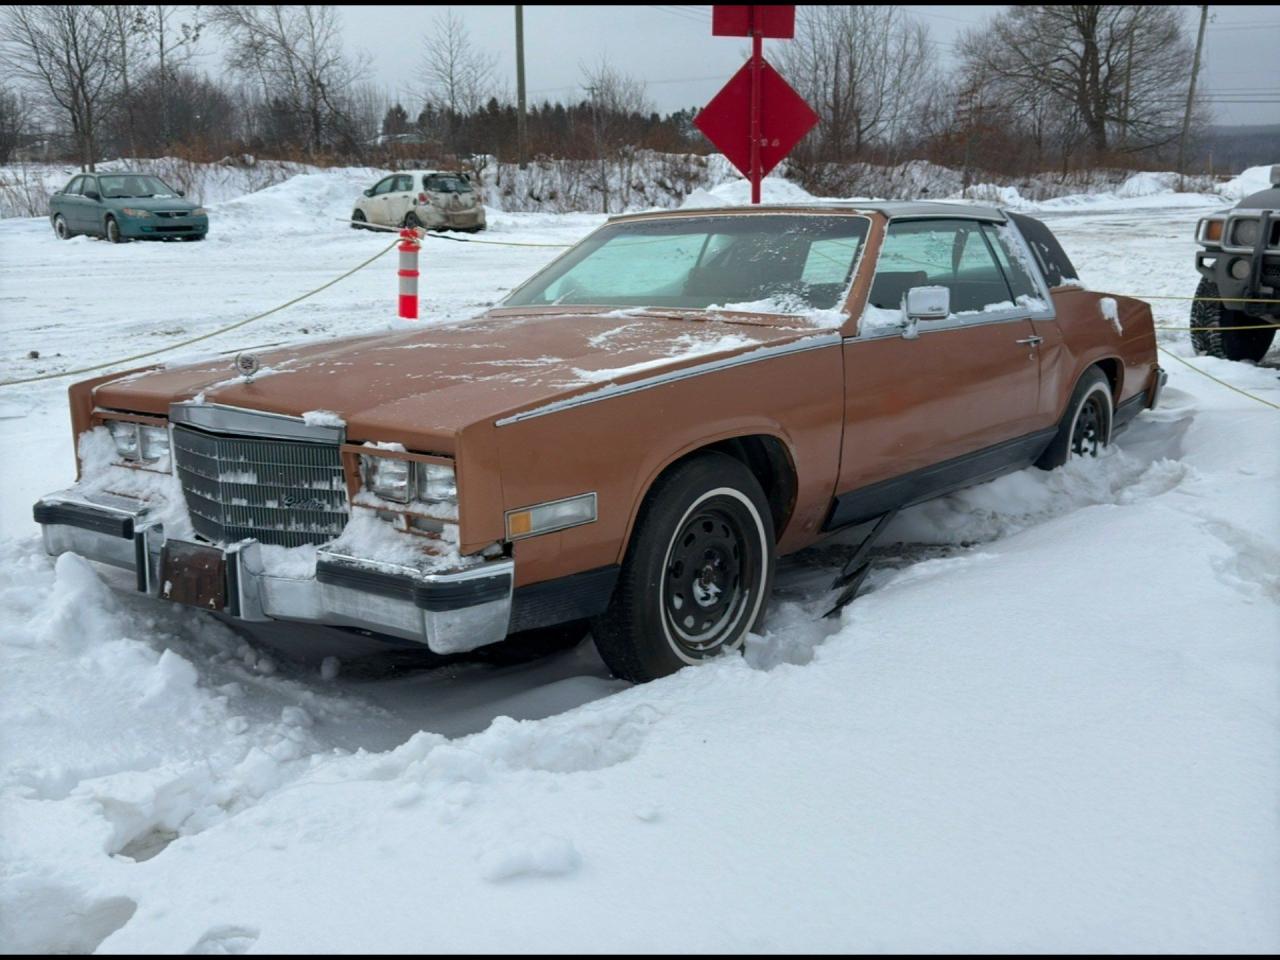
<point>697,573</point>
<point>1085,428</point>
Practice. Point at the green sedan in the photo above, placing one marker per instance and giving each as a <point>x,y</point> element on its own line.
<point>125,206</point>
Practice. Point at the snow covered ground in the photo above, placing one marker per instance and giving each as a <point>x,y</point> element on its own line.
<point>1051,723</point>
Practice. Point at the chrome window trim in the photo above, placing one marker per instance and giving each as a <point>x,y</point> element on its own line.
<point>971,318</point>
<point>622,389</point>
<point>221,418</point>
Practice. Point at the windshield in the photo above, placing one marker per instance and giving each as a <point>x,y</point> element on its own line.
<point>135,185</point>
<point>765,263</point>
<point>447,185</point>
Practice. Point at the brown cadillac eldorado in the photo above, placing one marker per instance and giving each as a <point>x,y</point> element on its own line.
<point>625,445</point>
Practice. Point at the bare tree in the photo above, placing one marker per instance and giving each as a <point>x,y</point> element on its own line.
<point>63,52</point>
<point>454,74</point>
<point>619,105</point>
<point>13,122</point>
<point>172,32</point>
<point>295,55</point>
<point>864,69</point>
<point>1119,68</point>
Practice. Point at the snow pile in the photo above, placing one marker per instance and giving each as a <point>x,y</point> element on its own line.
<point>1251,181</point>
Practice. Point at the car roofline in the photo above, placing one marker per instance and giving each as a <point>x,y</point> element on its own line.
<point>891,209</point>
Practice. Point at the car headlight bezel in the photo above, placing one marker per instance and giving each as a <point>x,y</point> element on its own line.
<point>136,212</point>
<point>141,443</point>
<point>408,479</point>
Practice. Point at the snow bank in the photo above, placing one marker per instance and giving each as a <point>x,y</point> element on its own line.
<point>1251,181</point>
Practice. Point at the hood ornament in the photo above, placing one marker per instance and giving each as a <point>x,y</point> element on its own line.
<point>247,365</point>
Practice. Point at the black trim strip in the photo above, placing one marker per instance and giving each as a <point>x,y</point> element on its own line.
<point>869,502</point>
<point>86,518</point>
<point>575,597</point>
<point>439,597</point>
<point>1126,410</point>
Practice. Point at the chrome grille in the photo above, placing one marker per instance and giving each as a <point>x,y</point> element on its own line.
<point>281,492</point>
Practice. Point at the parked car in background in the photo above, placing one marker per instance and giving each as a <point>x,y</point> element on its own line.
<point>1239,261</point>
<point>432,199</point>
<point>125,206</point>
<point>625,445</point>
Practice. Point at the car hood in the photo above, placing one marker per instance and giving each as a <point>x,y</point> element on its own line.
<point>152,203</point>
<point>422,386</point>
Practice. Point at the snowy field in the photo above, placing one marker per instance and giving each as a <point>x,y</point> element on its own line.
<point>1052,723</point>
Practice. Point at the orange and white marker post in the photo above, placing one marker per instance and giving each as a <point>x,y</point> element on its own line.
<point>410,243</point>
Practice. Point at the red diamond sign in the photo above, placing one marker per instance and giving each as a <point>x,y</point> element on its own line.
<point>784,119</point>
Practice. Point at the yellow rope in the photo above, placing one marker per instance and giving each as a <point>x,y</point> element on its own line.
<point>203,336</point>
<point>1274,406</point>
<point>366,225</point>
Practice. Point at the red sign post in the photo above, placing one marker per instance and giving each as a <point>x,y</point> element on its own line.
<point>757,117</point>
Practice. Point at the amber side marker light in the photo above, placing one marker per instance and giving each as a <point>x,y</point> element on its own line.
<point>551,516</point>
<point>1213,230</point>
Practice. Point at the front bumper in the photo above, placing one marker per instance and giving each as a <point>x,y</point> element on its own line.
<point>139,228</point>
<point>1261,261</point>
<point>450,612</point>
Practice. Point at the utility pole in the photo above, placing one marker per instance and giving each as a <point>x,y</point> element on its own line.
<point>1191,96</point>
<point>521,144</point>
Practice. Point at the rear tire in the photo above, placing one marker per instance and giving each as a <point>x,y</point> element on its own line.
<point>411,220</point>
<point>1086,426</point>
<point>60,228</point>
<point>1249,345</point>
<point>697,573</point>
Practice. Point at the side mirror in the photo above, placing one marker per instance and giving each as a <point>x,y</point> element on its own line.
<point>927,303</point>
<point>369,192</point>
<point>182,193</point>
<point>93,195</point>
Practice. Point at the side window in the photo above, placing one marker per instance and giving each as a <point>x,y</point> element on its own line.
<point>384,186</point>
<point>946,253</point>
<point>1053,260</point>
<point>73,188</point>
<point>1014,262</point>
<point>404,184</point>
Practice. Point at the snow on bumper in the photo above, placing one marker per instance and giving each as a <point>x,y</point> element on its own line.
<point>451,611</point>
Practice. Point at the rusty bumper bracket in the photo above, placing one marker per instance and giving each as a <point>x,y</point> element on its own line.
<point>856,568</point>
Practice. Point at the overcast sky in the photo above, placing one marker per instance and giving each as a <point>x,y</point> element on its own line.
<point>672,50</point>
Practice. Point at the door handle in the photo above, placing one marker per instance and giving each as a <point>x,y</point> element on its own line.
<point>1031,341</point>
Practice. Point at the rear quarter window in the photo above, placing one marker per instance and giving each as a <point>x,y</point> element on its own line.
<point>1053,260</point>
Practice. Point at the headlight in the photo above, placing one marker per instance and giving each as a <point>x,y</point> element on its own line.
<point>388,477</point>
<point>135,212</point>
<point>400,480</point>
<point>437,482</point>
<point>1245,233</point>
<point>125,435</point>
<point>199,212</point>
<point>141,443</point>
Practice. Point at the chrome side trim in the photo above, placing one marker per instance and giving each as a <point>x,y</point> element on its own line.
<point>622,389</point>
<point>220,418</point>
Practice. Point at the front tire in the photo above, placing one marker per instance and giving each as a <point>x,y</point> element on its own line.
<point>697,573</point>
<point>1208,341</point>
<point>112,231</point>
<point>1086,427</point>
<point>358,220</point>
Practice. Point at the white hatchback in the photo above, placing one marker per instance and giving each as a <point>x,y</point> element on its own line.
<point>433,199</point>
